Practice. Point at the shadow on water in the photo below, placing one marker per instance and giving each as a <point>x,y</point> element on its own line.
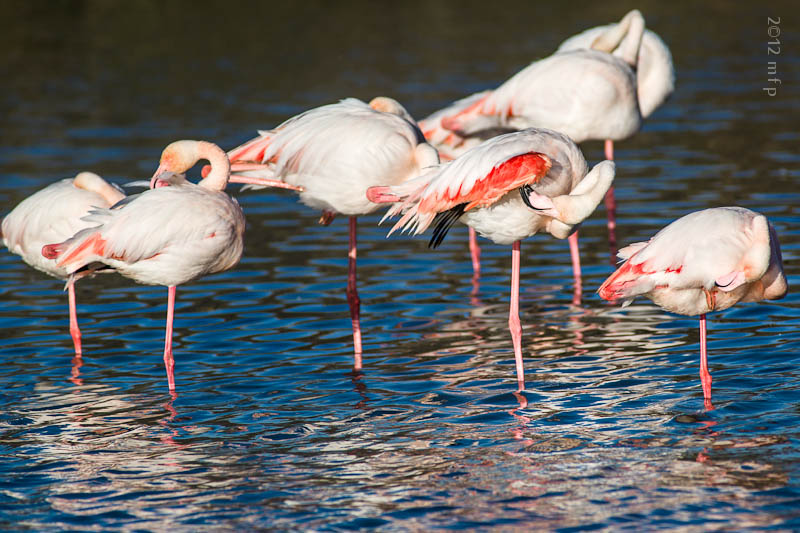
<point>270,428</point>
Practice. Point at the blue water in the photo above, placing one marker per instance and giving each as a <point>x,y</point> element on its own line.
<point>270,428</point>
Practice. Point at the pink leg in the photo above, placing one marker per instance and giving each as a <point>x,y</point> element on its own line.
<point>611,208</point>
<point>169,362</point>
<point>475,253</point>
<point>705,375</point>
<point>576,268</point>
<point>74,331</point>
<point>352,297</point>
<point>513,316</point>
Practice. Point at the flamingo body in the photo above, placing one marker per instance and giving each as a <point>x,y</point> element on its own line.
<point>655,75</point>
<point>166,236</point>
<point>337,151</point>
<point>705,261</point>
<point>585,94</point>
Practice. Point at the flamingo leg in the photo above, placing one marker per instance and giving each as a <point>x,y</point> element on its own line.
<point>513,316</point>
<point>74,331</point>
<point>611,208</point>
<point>352,297</point>
<point>705,375</point>
<point>475,254</point>
<point>576,268</point>
<point>169,362</point>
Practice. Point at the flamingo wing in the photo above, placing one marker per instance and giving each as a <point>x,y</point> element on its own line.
<point>479,178</point>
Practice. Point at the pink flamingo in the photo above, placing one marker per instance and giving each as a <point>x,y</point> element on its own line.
<point>507,188</point>
<point>332,155</point>
<point>705,261</point>
<point>586,94</point>
<point>168,235</point>
<point>53,214</point>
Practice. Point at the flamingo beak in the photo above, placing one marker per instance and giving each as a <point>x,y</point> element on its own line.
<point>161,169</point>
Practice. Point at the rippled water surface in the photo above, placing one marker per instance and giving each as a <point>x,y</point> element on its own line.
<point>270,428</point>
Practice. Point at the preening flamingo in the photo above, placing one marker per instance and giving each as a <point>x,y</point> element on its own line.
<point>332,155</point>
<point>53,214</point>
<point>168,235</point>
<point>705,261</point>
<point>587,94</point>
<point>507,188</point>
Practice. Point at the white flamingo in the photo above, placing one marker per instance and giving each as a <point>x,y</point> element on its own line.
<point>331,155</point>
<point>705,261</point>
<point>168,235</point>
<point>53,214</point>
<point>507,188</point>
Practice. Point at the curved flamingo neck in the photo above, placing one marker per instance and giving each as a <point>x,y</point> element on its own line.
<point>626,35</point>
<point>217,179</point>
<point>89,181</point>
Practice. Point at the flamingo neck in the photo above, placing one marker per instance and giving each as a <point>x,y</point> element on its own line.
<point>627,36</point>
<point>633,38</point>
<point>89,181</point>
<point>217,179</point>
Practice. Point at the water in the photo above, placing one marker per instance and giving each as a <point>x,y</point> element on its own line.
<point>270,429</point>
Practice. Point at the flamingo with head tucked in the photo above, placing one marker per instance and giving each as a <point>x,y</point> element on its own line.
<point>53,214</point>
<point>705,261</point>
<point>169,235</point>
<point>507,188</point>
<point>332,155</point>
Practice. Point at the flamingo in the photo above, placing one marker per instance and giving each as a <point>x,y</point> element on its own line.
<point>169,235</point>
<point>507,188</point>
<point>705,261</point>
<point>588,94</point>
<point>53,214</point>
<point>332,154</point>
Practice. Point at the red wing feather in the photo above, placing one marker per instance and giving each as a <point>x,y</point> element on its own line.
<point>509,175</point>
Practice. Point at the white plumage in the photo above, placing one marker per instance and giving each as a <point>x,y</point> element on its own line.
<point>337,151</point>
<point>655,75</point>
